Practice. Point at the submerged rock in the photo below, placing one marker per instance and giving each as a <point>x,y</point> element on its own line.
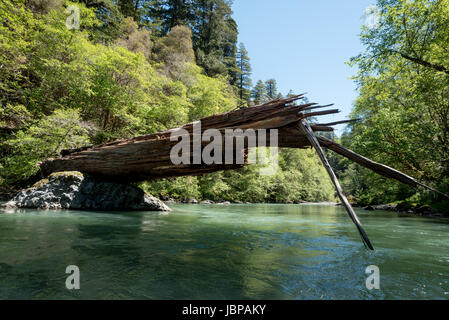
<point>73,190</point>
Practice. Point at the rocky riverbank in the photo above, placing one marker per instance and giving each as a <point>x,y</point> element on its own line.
<point>224,202</point>
<point>402,208</point>
<point>75,191</point>
<point>205,202</point>
<point>408,209</point>
<point>7,194</point>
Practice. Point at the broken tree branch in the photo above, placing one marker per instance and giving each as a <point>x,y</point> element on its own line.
<point>304,125</point>
<point>338,122</point>
<point>381,169</point>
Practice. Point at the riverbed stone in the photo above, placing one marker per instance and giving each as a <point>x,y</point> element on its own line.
<point>75,191</point>
<point>404,207</point>
<point>224,203</point>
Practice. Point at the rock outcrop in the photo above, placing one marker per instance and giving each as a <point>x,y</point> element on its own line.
<point>75,191</point>
<point>408,209</point>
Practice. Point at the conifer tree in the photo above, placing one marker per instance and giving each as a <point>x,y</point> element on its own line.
<point>272,90</point>
<point>259,93</point>
<point>215,37</point>
<point>214,30</point>
<point>170,13</point>
<point>244,74</point>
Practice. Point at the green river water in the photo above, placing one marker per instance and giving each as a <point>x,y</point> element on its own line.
<point>222,252</point>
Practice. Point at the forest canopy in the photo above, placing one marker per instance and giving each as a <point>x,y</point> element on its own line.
<point>131,68</point>
<point>403,81</point>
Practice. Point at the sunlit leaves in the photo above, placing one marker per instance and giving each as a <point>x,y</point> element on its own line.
<point>404,95</point>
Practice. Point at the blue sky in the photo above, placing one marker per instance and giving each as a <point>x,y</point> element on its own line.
<point>304,45</point>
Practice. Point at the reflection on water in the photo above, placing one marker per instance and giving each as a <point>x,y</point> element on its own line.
<point>222,252</point>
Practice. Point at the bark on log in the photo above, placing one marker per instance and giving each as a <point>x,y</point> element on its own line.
<point>338,122</point>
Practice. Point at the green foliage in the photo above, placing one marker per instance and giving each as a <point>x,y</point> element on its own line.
<point>244,74</point>
<point>115,90</point>
<point>110,18</point>
<point>41,7</point>
<point>114,78</point>
<point>215,37</point>
<point>135,39</point>
<point>129,8</point>
<point>61,130</point>
<point>259,93</point>
<point>16,30</point>
<point>209,96</point>
<point>180,188</point>
<point>13,117</point>
<point>175,53</point>
<point>300,177</point>
<point>272,89</point>
<point>404,98</point>
<point>214,30</point>
<point>415,31</point>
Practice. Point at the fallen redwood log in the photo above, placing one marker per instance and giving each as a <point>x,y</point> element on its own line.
<point>148,157</point>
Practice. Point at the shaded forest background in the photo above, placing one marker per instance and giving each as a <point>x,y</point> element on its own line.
<point>141,66</point>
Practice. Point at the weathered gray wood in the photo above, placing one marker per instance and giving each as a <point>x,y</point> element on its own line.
<point>338,122</point>
<point>304,125</point>
<point>317,128</point>
<point>318,113</point>
<point>317,107</point>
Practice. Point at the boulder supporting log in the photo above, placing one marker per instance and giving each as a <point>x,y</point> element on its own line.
<point>75,191</point>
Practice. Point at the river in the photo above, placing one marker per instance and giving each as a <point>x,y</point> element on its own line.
<point>222,252</point>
